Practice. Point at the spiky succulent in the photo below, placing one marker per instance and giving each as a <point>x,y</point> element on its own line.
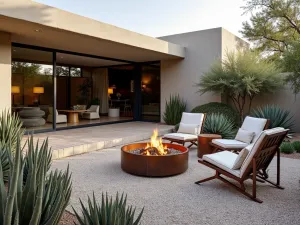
<point>217,123</point>
<point>109,212</point>
<point>278,117</point>
<point>174,109</point>
<point>10,128</point>
<point>38,199</point>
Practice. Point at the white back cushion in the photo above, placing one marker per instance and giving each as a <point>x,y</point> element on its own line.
<point>244,136</point>
<point>188,128</point>
<point>94,108</point>
<point>240,159</point>
<point>254,147</point>
<point>255,125</point>
<point>189,122</point>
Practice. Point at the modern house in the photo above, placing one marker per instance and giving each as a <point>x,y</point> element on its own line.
<point>56,60</point>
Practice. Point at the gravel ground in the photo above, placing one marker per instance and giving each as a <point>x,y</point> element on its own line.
<point>178,201</point>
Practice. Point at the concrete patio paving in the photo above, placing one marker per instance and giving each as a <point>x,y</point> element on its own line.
<point>77,141</point>
<point>177,200</point>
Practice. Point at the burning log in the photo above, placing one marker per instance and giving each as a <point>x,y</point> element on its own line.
<point>152,151</point>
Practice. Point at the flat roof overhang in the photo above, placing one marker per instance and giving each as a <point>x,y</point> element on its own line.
<point>40,25</point>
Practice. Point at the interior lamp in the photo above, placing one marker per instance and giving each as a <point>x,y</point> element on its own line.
<point>39,91</point>
<point>15,90</point>
<point>110,91</point>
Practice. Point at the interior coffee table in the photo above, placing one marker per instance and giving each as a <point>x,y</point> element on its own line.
<point>204,141</point>
<point>73,114</point>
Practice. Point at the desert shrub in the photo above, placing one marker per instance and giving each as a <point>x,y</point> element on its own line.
<point>287,148</point>
<point>296,146</point>
<point>242,76</point>
<point>108,212</point>
<point>278,117</point>
<point>217,107</point>
<point>217,123</point>
<point>174,109</point>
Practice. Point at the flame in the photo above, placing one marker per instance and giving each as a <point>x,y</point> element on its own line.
<point>157,143</point>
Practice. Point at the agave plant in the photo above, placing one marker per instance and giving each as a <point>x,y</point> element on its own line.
<point>278,117</point>
<point>174,109</point>
<point>110,212</point>
<point>10,128</point>
<point>40,200</point>
<point>217,123</point>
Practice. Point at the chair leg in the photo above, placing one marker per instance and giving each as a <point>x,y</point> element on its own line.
<point>240,189</point>
<point>207,179</point>
<point>192,143</point>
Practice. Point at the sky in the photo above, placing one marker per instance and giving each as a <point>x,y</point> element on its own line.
<point>160,17</point>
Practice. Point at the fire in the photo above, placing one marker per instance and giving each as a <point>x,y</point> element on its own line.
<point>157,144</point>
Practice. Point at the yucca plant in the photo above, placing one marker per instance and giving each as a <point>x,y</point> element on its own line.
<point>217,123</point>
<point>109,212</point>
<point>10,128</point>
<point>278,117</point>
<point>174,109</point>
<point>40,200</point>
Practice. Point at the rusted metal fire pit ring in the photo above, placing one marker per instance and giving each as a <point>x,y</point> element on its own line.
<point>154,166</point>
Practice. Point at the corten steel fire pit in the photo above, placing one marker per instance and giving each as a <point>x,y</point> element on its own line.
<point>154,165</point>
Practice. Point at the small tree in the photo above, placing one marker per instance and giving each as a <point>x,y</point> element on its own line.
<point>241,76</point>
<point>291,59</point>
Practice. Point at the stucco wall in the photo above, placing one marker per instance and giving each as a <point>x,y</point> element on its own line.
<point>5,71</point>
<point>202,49</point>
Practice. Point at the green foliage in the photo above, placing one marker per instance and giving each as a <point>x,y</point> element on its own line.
<point>84,90</point>
<point>291,59</point>
<point>296,146</point>
<point>10,129</point>
<point>41,199</point>
<point>287,148</point>
<point>241,76</point>
<point>174,109</point>
<point>273,25</point>
<point>109,212</point>
<point>217,123</point>
<point>217,107</point>
<point>278,117</point>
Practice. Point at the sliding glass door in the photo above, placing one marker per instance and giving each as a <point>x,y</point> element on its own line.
<point>32,88</point>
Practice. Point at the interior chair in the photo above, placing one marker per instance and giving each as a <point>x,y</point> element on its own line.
<point>92,113</point>
<point>247,134</point>
<point>190,126</point>
<point>60,118</point>
<point>81,107</point>
<point>251,163</point>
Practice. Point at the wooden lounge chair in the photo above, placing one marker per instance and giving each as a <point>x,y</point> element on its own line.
<point>191,125</point>
<point>254,166</point>
<point>250,124</point>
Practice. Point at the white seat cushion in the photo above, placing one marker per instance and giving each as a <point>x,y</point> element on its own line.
<point>224,160</point>
<point>228,143</point>
<point>180,136</point>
